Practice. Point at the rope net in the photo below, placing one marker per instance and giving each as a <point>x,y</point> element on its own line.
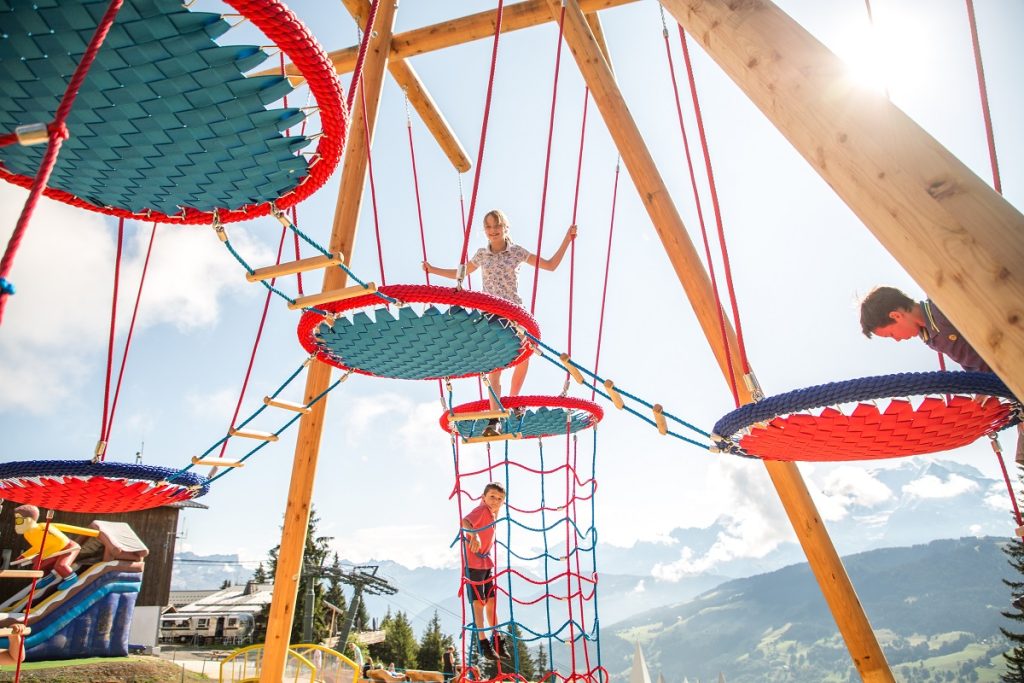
<point>545,566</point>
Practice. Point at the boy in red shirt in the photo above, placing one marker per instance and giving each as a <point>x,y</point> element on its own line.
<point>478,541</point>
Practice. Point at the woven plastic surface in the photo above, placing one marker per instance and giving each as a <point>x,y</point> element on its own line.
<point>543,416</point>
<point>165,126</point>
<point>85,486</point>
<point>476,333</point>
<point>949,416</point>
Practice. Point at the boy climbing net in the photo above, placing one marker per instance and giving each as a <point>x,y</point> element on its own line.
<point>478,542</point>
<point>500,261</point>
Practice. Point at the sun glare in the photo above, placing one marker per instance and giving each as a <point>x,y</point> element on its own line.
<point>886,55</point>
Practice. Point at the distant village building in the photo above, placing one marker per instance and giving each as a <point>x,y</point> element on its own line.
<point>225,616</point>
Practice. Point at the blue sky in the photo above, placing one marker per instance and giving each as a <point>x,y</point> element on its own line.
<point>800,260</point>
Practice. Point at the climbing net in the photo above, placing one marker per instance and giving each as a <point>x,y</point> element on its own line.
<point>545,576</point>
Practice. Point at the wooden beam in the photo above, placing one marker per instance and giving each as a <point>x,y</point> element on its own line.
<point>960,240</point>
<point>307,446</point>
<point>419,98</point>
<point>821,554</point>
<point>456,32</point>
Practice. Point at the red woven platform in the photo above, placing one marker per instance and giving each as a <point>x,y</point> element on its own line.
<point>900,430</point>
<point>92,494</point>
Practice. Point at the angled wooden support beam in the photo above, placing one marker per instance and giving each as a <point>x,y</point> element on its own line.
<point>307,444</point>
<point>956,236</point>
<point>419,98</point>
<point>821,554</point>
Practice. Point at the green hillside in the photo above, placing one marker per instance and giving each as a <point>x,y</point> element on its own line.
<point>936,609</point>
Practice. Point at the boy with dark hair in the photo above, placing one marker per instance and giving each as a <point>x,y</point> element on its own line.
<point>478,541</point>
<point>888,312</point>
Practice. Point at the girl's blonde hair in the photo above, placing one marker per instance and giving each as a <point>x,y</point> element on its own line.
<point>499,216</point>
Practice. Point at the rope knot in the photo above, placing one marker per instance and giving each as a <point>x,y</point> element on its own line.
<point>58,131</point>
<point>6,287</point>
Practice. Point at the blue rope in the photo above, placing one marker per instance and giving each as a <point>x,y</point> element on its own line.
<point>547,554</point>
<point>248,269</point>
<point>6,287</point>
<point>593,554</point>
<point>598,380</point>
<point>856,390</point>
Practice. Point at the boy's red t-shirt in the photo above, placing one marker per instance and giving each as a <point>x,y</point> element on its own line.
<point>479,518</point>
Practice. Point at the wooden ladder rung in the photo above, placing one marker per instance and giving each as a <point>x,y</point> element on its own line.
<point>293,267</point>
<point>480,415</point>
<point>253,434</point>
<point>497,437</point>
<point>286,405</point>
<point>217,462</point>
<point>21,574</point>
<point>332,295</point>
<point>5,632</point>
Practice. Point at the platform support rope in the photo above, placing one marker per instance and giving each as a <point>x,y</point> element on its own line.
<point>19,656</point>
<point>57,133</point>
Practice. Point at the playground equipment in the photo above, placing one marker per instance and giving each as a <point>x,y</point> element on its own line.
<point>307,663</point>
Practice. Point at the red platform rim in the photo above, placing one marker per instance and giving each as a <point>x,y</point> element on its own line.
<point>535,401</point>
<point>418,294</point>
<point>284,29</point>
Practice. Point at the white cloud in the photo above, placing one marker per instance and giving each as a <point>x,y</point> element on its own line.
<point>57,324</point>
<point>412,427</point>
<point>639,587</point>
<point>997,497</point>
<point>845,487</point>
<point>930,486</point>
<point>754,525</point>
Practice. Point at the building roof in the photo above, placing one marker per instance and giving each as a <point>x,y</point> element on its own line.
<point>248,598</point>
<point>177,599</point>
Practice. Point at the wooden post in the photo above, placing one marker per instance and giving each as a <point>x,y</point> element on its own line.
<point>307,446</point>
<point>821,554</point>
<point>956,236</point>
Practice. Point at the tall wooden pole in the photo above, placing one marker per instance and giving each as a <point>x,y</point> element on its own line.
<point>307,446</point>
<point>821,554</point>
<point>956,236</point>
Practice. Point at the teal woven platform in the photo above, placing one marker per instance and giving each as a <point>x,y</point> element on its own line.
<point>165,118</point>
<point>455,343</point>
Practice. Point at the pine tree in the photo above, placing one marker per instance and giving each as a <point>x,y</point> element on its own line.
<point>399,646</point>
<point>542,661</point>
<point>335,596</point>
<point>314,556</point>
<point>431,646</point>
<point>260,575</point>
<point>526,667</point>
<point>1014,673</point>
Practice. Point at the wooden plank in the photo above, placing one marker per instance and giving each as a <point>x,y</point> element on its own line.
<point>821,554</point>
<point>311,300</point>
<point>479,415</point>
<point>252,434</point>
<point>216,462</point>
<point>286,405</point>
<point>291,268</point>
<point>21,574</point>
<point>307,445</point>
<point>515,436</point>
<point>957,237</point>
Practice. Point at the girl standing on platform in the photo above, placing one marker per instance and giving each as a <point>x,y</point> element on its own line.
<point>500,261</point>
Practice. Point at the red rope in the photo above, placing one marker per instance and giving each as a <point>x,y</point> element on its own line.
<point>575,212</point>
<point>373,186</point>
<point>703,226</point>
<point>32,592</point>
<point>983,90</point>
<point>416,189</point>
<point>726,267</point>
<point>1009,488</point>
<point>298,250</point>
<point>547,162</point>
<point>58,133</point>
<point>607,268</point>
<point>128,339</point>
<point>357,72</point>
<point>255,345</point>
<point>483,133</point>
<point>110,339</point>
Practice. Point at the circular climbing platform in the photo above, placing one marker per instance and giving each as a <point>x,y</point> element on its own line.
<point>95,487</point>
<point>166,126</point>
<point>457,334</point>
<point>927,412</point>
<point>541,416</point>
